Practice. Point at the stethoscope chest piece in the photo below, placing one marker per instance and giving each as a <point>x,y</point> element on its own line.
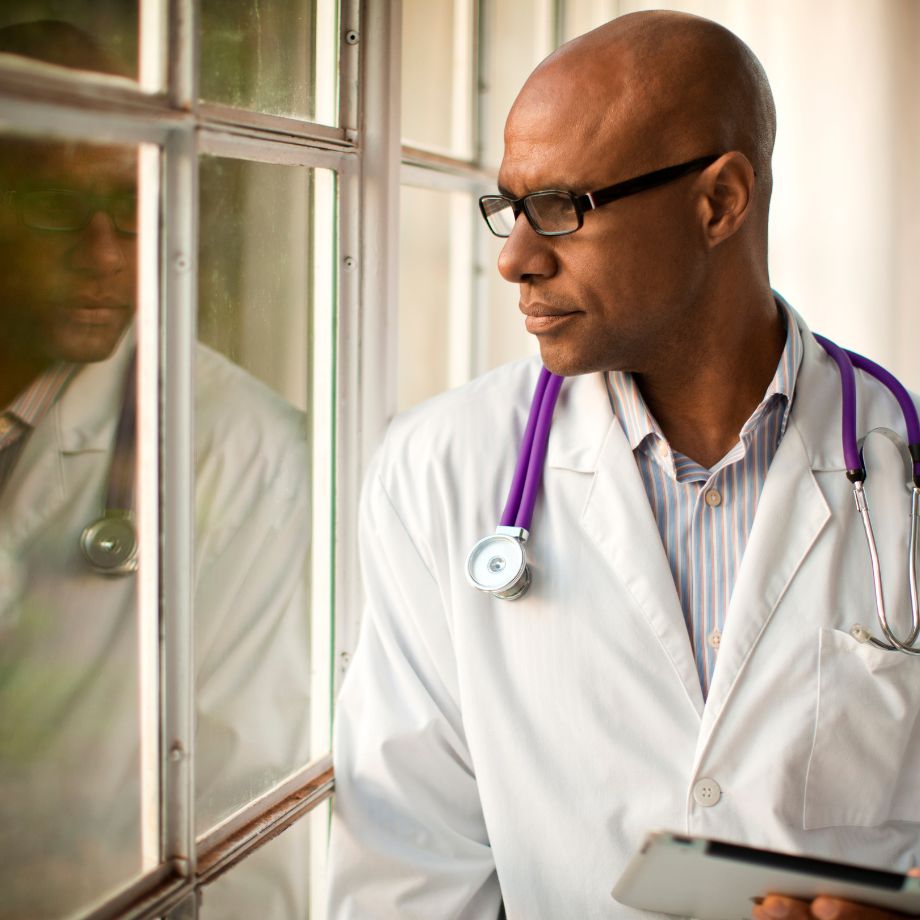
<point>497,564</point>
<point>110,544</point>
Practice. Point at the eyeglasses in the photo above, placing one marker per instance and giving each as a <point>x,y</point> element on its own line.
<point>556,213</point>
<point>64,210</point>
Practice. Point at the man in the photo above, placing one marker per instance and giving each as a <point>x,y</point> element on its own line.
<point>683,658</point>
<point>74,797</point>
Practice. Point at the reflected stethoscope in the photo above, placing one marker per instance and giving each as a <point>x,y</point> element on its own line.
<point>497,564</point>
<point>109,543</point>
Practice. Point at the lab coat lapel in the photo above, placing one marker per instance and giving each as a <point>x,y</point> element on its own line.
<point>618,519</point>
<point>50,469</point>
<point>791,514</point>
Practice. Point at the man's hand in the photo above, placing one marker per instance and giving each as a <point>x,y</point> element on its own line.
<point>777,907</point>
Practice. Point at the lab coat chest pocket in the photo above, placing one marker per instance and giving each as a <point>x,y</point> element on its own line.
<point>865,759</point>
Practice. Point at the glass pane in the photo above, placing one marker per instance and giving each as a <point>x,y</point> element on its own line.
<point>277,58</point>
<point>436,317</point>
<point>259,264</point>
<point>283,880</point>
<point>437,75</point>
<point>521,35</point>
<point>72,797</point>
<point>506,337</point>
<point>98,35</point>
<point>581,16</point>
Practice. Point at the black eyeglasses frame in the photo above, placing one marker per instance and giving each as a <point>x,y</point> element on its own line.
<point>590,201</point>
<point>93,204</point>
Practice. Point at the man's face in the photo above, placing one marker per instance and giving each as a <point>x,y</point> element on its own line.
<point>66,294</point>
<point>613,293</point>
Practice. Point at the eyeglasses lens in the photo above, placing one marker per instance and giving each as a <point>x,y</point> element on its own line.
<point>53,210</point>
<point>499,215</point>
<point>68,210</point>
<point>552,212</point>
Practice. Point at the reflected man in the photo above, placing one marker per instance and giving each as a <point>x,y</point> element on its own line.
<point>74,807</point>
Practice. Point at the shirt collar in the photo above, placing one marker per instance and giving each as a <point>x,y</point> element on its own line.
<point>638,422</point>
<point>33,403</point>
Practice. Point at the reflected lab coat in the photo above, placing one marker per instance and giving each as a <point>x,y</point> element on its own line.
<point>69,689</point>
<point>488,750</point>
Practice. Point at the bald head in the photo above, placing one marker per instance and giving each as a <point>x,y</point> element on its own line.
<point>658,87</point>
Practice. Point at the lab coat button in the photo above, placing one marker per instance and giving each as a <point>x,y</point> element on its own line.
<point>706,792</point>
<point>713,498</point>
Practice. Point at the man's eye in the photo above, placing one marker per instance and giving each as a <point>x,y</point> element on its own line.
<point>52,208</point>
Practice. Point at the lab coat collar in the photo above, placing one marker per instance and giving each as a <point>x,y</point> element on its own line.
<point>89,408</point>
<point>816,406</point>
<point>581,422</point>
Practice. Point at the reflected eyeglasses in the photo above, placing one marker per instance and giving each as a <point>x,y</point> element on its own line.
<point>554,212</point>
<point>64,210</point>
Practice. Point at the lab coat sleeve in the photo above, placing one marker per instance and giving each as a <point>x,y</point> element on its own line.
<point>408,839</point>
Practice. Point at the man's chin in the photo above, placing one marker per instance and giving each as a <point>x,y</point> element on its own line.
<point>85,344</point>
<point>564,362</point>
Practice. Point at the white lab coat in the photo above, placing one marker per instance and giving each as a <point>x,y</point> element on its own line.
<point>487,749</point>
<point>69,690</point>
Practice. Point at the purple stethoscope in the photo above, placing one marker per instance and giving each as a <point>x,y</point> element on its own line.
<point>497,564</point>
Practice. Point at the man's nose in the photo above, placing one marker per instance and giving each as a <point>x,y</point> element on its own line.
<point>100,249</point>
<point>526,254</point>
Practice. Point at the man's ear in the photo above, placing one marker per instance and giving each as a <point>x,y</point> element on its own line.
<point>727,196</point>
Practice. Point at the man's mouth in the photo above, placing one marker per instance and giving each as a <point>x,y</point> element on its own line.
<point>545,319</point>
<point>89,312</point>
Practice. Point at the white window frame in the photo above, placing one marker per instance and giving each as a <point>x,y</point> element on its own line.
<point>163,110</point>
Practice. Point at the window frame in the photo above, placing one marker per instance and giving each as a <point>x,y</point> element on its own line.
<point>162,110</point>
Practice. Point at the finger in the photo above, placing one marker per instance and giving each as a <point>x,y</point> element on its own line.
<point>836,909</point>
<point>915,872</point>
<point>779,907</point>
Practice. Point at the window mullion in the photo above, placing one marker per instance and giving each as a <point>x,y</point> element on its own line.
<point>179,254</point>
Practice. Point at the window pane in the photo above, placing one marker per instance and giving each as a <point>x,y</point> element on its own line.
<point>506,338</point>
<point>72,798</point>
<point>98,35</point>
<point>283,880</point>
<point>259,262</point>
<point>436,315</point>
<point>521,35</point>
<point>276,58</point>
<point>437,75</point>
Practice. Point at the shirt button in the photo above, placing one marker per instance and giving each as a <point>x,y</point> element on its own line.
<point>706,792</point>
<point>713,498</point>
<point>714,639</point>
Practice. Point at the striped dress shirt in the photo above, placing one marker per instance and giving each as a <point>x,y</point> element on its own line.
<point>704,515</point>
<point>25,412</point>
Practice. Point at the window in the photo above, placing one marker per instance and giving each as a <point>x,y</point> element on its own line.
<point>169,322</point>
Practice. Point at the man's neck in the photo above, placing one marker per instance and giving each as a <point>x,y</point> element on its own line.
<point>701,400</point>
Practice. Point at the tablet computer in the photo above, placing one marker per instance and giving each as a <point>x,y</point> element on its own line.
<point>717,880</point>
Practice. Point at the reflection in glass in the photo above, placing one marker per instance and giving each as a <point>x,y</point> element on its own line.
<point>284,880</point>
<point>70,771</point>
<point>98,35</point>
<point>260,56</point>
<point>253,481</point>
